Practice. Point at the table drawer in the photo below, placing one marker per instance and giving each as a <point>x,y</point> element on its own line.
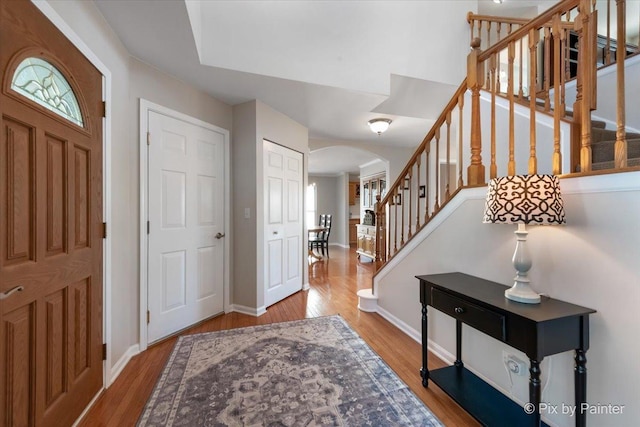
<point>482,319</point>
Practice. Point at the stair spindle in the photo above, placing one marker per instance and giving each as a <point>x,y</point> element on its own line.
<point>547,68</point>
<point>446,191</point>
<point>460,132</point>
<point>533,71</point>
<point>511,167</point>
<point>621,54</point>
<point>493,168</point>
<point>557,111</point>
<point>436,206</point>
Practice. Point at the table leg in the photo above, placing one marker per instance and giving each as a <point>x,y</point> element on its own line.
<point>424,371</point>
<point>580,385</point>
<point>535,390</point>
<point>458,363</point>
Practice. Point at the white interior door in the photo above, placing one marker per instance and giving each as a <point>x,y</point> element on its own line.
<point>283,187</point>
<point>186,224</point>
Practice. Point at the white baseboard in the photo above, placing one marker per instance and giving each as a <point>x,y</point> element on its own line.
<point>122,362</point>
<point>340,245</point>
<point>306,286</point>
<point>256,312</point>
<point>404,327</point>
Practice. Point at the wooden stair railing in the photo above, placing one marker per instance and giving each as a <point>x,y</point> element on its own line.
<point>435,172</point>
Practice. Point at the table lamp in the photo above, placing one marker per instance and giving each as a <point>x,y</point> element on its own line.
<point>524,199</point>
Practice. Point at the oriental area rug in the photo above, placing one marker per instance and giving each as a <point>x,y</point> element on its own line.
<point>312,372</point>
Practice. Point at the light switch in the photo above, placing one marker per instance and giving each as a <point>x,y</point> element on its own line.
<point>247,213</point>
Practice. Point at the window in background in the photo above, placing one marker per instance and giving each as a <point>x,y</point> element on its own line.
<point>312,217</point>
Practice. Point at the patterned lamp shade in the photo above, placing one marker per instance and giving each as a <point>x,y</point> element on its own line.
<point>524,199</point>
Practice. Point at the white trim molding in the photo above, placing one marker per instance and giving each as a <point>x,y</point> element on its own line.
<point>256,312</point>
<point>132,351</point>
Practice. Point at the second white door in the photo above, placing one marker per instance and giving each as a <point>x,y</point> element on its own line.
<point>283,190</point>
<point>186,224</point>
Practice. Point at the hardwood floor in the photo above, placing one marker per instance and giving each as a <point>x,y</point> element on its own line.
<point>334,283</point>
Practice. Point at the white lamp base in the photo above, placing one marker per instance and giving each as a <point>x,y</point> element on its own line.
<point>522,292</point>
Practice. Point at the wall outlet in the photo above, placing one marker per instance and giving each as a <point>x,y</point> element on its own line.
<point>514,364</point>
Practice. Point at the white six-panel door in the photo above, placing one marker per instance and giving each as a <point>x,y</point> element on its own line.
<point>186,224</point>
<point>283,191</point>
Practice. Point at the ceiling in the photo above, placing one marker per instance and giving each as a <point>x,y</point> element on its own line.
<point>329,65</point>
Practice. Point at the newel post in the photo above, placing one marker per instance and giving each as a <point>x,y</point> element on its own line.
<point>475,78</point>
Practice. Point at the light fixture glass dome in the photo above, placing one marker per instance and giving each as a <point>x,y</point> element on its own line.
<point>379,125</point>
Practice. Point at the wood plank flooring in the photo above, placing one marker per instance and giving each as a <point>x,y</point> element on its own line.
<point>334,283</point>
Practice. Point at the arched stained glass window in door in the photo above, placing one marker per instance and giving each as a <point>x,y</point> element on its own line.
<point>44,84</point>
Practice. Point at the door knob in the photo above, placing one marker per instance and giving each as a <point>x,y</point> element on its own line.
<point>219,235</point>
<point>11,292</point>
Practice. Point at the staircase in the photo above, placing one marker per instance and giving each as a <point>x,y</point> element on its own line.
<point>459,153</point>
<point>603,148</point>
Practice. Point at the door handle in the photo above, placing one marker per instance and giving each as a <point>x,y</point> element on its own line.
<point>11,292</point>
<point>219,235</point>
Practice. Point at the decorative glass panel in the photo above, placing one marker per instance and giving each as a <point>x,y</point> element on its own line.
<point>41,82</point>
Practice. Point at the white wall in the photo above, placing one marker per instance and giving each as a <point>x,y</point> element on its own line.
<point>130,80</point>
<point>592,261</point>
<point>396,157</point>
<point>607,100</point>
<point>330,197</point>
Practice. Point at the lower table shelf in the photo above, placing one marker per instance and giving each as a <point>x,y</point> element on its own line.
<point>486,404</point>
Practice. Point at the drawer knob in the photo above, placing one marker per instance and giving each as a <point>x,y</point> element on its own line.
<point>459,310</point>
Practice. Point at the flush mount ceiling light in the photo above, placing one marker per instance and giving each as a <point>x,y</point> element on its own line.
<point>379,125</point>
<point>497,1</point>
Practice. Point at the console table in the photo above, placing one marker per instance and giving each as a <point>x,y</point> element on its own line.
<point>538,330</point>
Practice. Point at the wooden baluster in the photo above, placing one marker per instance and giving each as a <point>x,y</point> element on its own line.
<point>499,31</point>
<point>585,65</point>
<point>533,70</point>
<point>488,83</point>
<point>562,40</point>
<point>567,56</point>
<point>475,171</point>
<point>380,231</point>
<point>418,160</point>
<point>511,167</point>
<point>402,215</point>
<point>460,107</point>
<point>479,30</point>
<point>557,110</point>
<point>410,232</point>
<point>436,206</point>
<point>493,168</point>
<point>498,61</point>
<point>446,190</point>
<point>607,52</point>
<point>547,68</point>
<point>395,220</point>
<point>472,23</point>
<point>520,70</point>
<point>427,183</point>
<point>621,137</point>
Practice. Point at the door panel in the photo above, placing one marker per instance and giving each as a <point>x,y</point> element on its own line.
<point>56,195</point>
<point>50,232</point>
<point>186,205</point>
<point>283,222</point>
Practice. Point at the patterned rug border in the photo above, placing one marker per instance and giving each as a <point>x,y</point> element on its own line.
<point>143,418</point>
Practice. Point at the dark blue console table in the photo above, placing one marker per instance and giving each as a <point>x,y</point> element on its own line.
<point>538,330</point>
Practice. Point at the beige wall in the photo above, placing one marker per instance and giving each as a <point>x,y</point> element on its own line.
<point>254,121</point>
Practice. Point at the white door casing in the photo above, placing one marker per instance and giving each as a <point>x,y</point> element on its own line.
<point>186,224</point>
<point>283,213</point>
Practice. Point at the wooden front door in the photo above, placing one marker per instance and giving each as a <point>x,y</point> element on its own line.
<point>50,223</point>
